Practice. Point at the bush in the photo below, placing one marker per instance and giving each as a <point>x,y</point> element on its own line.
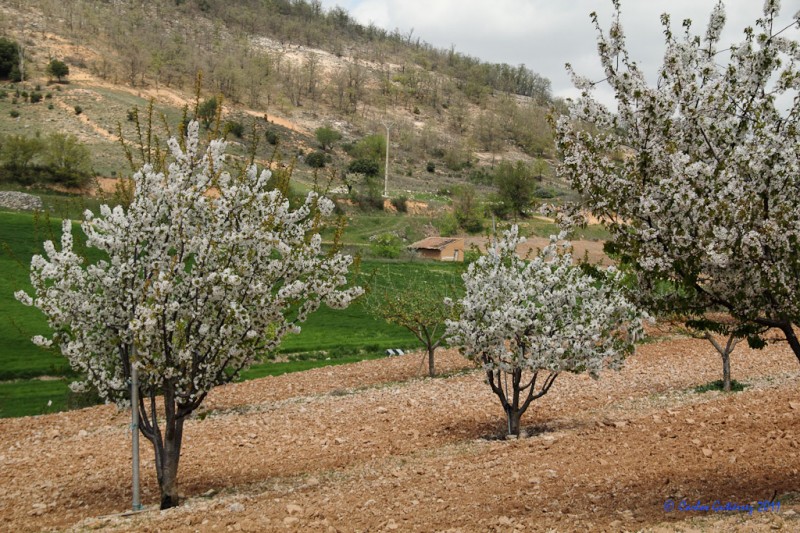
<point>316,159</point>
<point>430,167</point>
<point>386,245</point>
<point>36,98</point>
<point>14,113</point>
<point>236,128</point>
<point>131,115</point>
<point>447,224</point>
<point>9,59</point>
<point>207,112</point>
<point>57,69</point>
<point>367,167</point>
<point>480,176</point>
<point>78,110</point>
<point>401,204</point>
<point>326,136</point>
<point>272,137</point>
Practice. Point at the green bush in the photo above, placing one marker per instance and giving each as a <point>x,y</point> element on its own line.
<point>78,110</point>
<point>447,224</point>
<point>430,167</point>
<point>36,98</point>
<point>367,167</point>
<point>9,59</point>
<point>272,137</point>
<point>207,112</point>
<point>326,136</point>
<point>316,159</point>
<point>386,245</point>
<point>57,69</point>
<point>401,204</point>
<point>14,113</point>
<point>236,128</point>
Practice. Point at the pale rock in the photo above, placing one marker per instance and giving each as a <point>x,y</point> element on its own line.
<point>293,508</point>
<point>707,452</point>
<point>236,507</point>
<point>290,521</point>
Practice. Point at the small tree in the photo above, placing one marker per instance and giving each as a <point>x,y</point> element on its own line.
<point>525,322</point>
<point>418,306</point>
<point>9,60</point>
<point>207,111</point>
<point>696,177</point>
<point>515,187</point>
<point>57,69</point>
<point>191,290</point>
<point>326,136</point>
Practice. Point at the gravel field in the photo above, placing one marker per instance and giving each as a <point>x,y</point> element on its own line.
<point>373,446</point>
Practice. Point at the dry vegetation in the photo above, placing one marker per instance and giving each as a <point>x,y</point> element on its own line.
<point>373,447</point>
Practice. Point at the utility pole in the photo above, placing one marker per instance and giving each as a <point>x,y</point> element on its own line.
<point>388,126</point>
<point>137,502</point>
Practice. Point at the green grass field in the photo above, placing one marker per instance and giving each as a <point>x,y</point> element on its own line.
<point>332,336</point>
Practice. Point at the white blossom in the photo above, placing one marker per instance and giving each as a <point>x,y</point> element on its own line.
<point>540,315</point>
<point>201,286</point>
<point>698,176</point>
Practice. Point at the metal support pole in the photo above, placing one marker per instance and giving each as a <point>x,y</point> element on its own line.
<point>388,126</point>
<point>137,502</point>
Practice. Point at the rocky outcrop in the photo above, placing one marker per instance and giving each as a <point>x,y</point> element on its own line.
<point>20,201</point>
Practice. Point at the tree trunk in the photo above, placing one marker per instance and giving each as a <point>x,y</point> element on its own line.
<point>166,445</point>
<point>513,418</point>
<point>726,371</point>
<point>170,457</point>
<point>431,367</point>
<point>794,344</point>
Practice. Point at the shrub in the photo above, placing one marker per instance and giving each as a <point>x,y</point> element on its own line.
<point>272,137</point>
<point>326,136</point>
<point>316,159</point>
<point>14,113</point>
<point>401,204</point>
<point>367,167</point>
<point>36,98</point>
<point>78,110</point>
<point>386,245</point>
<point>57,69</point>
<point>236,128</point>
<point>430,167</point>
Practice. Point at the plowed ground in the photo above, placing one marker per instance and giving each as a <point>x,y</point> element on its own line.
<point>373,446</point>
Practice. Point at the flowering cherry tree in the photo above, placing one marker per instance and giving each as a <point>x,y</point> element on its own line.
<point>698,176</point>
<point>527,321</point>
<point>192,288</point>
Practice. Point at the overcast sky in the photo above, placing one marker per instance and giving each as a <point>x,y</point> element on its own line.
<point>546,34</point>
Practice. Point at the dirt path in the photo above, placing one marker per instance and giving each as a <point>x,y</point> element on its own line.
<point>372,446</point>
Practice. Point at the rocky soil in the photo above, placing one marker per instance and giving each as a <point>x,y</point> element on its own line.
<point>375,447</point>
<point>20,201</point>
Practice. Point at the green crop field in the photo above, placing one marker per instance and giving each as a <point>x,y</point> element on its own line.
<point>328,337</point>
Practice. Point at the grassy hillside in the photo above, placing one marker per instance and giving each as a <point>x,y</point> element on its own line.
<point>296,69</point>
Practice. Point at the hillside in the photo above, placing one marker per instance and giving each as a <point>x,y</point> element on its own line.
<point>371,446</point>
<point>298,68</point>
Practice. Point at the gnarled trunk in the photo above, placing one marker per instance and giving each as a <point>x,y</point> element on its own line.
<point>431,366</point>
<point>512,400</point>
